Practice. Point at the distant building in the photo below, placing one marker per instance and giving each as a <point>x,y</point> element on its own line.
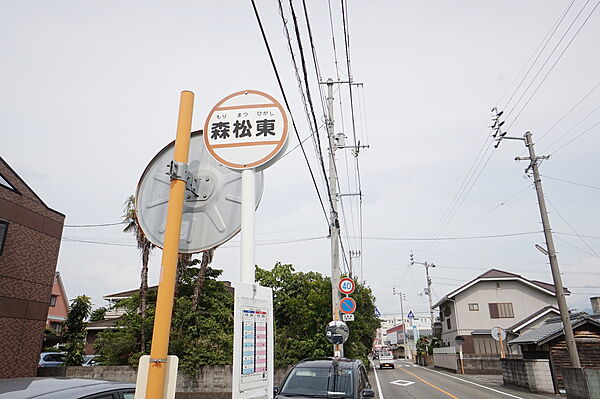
<point>30,234</point>
<point>58,306</point>
<point>392,336</point>
<point>494,299</point>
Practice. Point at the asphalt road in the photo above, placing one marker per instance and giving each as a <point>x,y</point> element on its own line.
<point>408,380</point>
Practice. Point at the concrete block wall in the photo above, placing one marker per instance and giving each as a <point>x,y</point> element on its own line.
<point>539,375</point>
<point>593,382</point>
<point>482,364</point>
<point>445,360</point>
<point>575,383</point>
<point>211,381</point>
<point>532,374</point>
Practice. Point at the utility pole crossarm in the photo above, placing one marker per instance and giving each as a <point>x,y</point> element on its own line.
<point>427,266</point>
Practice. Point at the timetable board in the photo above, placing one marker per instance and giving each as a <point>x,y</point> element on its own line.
<point>253,342</point>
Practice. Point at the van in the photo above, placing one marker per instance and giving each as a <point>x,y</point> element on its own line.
<point>386,359</point>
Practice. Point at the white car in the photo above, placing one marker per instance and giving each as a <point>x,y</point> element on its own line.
<point>386,359</point>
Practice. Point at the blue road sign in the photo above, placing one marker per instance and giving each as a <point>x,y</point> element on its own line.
<point>410,315</point>
<point>347,305</point>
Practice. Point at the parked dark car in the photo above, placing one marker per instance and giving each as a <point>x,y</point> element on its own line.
<point>64,388</point>
<point>326,378</point>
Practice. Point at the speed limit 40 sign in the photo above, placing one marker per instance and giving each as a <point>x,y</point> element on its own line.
<point>346,286</point>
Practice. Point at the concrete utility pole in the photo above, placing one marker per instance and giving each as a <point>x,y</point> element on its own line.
<point>551,251</point>
<point>402,298</point>
<point>334,224</point>
<point>428,289</point>
<point>335,143</point>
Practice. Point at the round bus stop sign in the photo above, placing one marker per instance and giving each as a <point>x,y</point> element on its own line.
<point>246,130</point>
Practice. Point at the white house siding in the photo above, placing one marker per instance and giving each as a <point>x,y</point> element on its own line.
<point>525,300</point>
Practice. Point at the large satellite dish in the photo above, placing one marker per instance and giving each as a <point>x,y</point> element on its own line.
<point>212,200</point>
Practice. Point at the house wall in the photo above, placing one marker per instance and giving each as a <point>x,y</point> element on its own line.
<point>27,266</point>
<point>58,312</point>
<point>525,301</point>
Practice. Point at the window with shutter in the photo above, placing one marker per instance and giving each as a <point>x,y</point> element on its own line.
<point>493,310</point>
<point>501,310</point>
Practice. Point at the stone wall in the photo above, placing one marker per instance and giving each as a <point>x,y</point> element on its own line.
<point>532,374</point>
<point>482,364</point>
<point>210,382</point>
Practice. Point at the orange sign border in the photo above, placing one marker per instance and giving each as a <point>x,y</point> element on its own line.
<point>340,305</point>
<point>261,161</point>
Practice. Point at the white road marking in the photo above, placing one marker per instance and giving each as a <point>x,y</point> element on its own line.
<point>473,383</point>
<point>377,381</point>
<point>402,383</point>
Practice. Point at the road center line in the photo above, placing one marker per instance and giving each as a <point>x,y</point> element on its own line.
<point>430,384</point>
<point>473,383</point>
<point>377,381</point>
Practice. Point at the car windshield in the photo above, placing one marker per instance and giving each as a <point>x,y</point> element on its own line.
<point>54,357</point>
<point>319,382</point>
<point>385,354</point>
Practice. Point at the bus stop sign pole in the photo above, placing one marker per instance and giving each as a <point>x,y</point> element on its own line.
<point>166,286</point>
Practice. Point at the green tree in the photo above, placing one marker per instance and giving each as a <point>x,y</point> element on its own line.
<point>74,333</point>
<point>145,247</point>
<point>198,336</point>
<point>302,310</point>
<point>98,314</point>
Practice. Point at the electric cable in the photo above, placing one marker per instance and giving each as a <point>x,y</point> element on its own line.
<point>570,182</point>
<point>288,106</point>
<point>556,61</point>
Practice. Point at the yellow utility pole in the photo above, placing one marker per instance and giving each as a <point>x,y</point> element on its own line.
<point>166,286</point>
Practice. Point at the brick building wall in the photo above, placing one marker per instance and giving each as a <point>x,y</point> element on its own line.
<point>28,256</point>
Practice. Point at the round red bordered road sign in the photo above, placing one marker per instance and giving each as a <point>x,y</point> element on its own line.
<point>346,285</point>
<point>347,305</point>
<point>246,129</point>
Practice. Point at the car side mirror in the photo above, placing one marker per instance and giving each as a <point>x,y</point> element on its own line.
<point>275,390</point>
<point>368,393</point>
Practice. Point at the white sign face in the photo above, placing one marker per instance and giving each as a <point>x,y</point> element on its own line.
<point>348,317</point>
<point>346,285</point>
<point>253,342</point>
<point>246,129</point>
<point>498,332</point>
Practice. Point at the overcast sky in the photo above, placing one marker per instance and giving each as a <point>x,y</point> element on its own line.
<point>90,91</point>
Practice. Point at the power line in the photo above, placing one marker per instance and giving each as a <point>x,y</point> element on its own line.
<point>576,137</point>
<point>571,129</point>
<point>558,59</point>
<point>451,238</point>
<point>494,208</point>
<point>288,105</point>
<point>570,182</point>
<point>571,227</point>
<point>94,225</point>
<point>568,112</point>
<point>545,43</point>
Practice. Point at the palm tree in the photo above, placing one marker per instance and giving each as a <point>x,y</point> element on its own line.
<point>207,257</point>
<point>145,247</point>
<point>183,262</point>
